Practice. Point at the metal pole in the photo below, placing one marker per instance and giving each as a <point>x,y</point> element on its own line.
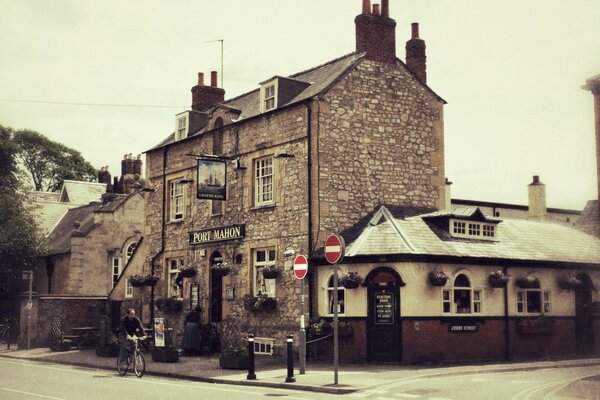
<point>221,40</point>
<point>251,374</point>
<point>29,307</point>
<point>335,325</point>
<point>290,360</point>
<point>302,337</point>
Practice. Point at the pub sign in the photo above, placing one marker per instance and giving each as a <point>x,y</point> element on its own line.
<point>212,179</point>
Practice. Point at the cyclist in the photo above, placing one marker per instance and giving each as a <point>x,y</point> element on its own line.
<point>130,326</point>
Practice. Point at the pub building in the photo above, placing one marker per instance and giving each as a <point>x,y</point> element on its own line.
<point>241,183</point>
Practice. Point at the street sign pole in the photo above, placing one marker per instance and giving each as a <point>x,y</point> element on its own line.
<point>300,271</point>
<point>334,252</point>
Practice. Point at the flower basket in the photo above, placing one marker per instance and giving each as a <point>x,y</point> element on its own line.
<point>137,280</point>
<point>351,280</point>
<point>498,279</point>
<point>169,305</point>
<point>221,269</point>
<point>270,272</point>
<point>321,327</point>
<point>187,272</point>
<point>150,280</point>
<point>262,302</point>
<point>568,283</point>
<point>438,278</point>
<point>527,282</point>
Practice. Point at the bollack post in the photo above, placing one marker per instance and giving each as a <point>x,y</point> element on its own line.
<point>290,360</point>
<point>251,373</point>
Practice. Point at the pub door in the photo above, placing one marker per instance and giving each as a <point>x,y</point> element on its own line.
<point>584,322</point>
<point>216,290</point>
<point>384,342</point>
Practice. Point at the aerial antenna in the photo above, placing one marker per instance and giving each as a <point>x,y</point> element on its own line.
<point>214,41</point>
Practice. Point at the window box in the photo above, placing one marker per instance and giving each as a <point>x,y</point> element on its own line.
<point>187,272</point>
<point>351,280</point>
<point>438,278</point>
<point>269,272</point>
<point>541,325</point>
<point>498,279</point>
<point>137,280</point>
<point>262,302</point>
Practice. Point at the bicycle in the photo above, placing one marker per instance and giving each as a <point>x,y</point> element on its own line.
<point>135,357</point>
<point>9,331</point>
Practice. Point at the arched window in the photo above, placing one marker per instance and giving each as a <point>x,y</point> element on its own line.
<point>217,147</point>
<point>129,251</point>
<point>341,295</point>
<point>462,298</point>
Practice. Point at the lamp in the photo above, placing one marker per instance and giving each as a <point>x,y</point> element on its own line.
<point>184,181</point>
<point>284,155</point>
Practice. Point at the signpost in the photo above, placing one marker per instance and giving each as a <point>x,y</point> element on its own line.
<point>28,275</point>
<point>300,271</point>
<point>334,252</point>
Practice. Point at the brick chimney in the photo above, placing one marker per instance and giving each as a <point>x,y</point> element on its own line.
<point>137,165</point>
<point>127,165</point>
<point>415,54</point>
<point>376,32</point>
<point>205,96</point>
<point>104,177</point>
<point>593,85</point>
<point>537,200</point>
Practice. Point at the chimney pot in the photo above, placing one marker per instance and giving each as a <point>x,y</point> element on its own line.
<point>537,210</point>
<point>415,30</point>
<point>213,78</point>
<point>385,8</point>
<point>201,78</point>
<point>376,9</point>
<point>366,8</point>
<point>536,179</point>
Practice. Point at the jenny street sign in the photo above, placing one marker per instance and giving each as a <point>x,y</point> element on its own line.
<point>334,248</point>
<point>300,266</point>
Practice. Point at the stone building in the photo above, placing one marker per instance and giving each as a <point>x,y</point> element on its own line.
<point>300,157</point>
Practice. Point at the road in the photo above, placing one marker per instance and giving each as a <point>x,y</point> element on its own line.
<point>20,380</point>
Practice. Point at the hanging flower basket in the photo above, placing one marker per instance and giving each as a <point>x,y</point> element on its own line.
<point>438,278</point>
<point>527,282</point>
<point>169,305</point>
<point>498,279</point>
<point>221,269</point>
<point>568,282</point>
<point>137,280</point>
<point>150,280</point>
<point>270,272</point>
<point>187,272</point>
<point>262,302</point>
<point>351,280</point>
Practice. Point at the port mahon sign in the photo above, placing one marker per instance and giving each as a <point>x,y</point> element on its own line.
<point>218,234</point>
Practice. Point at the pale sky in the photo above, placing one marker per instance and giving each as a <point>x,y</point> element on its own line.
<point>511,72</point>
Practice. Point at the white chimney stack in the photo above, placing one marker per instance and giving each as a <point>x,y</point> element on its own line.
<point>537,200</point>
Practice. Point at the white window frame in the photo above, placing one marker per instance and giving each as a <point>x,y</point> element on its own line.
<point>343,298</point>
<point>264,181</point>
<point>176,200</point>
<point>181,126</point>
<point>262,285</point>
<point>115,269</point>
<point>472,229</point>
<point>448,298</point>
<point>129,250</point>
<point>173,265</point>
<point>522,301</point>
<point>128,289</point>
<point>268,95</point>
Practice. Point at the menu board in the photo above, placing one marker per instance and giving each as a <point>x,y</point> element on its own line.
<point>159,332</point>
<point>194,290</point>
<point>384,308</point>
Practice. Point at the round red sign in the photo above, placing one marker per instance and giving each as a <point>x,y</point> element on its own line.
<point>300,266</point>
<point>334,248</point>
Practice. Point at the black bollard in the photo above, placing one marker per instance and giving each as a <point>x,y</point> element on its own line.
<point>290,360</point>
<point>251,374</point>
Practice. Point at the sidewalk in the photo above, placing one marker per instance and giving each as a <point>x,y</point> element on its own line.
<point>270,372</point>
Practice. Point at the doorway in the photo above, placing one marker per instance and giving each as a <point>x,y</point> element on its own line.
<point>584,322</point>
<point>384,337</point>
<point>216,289</point>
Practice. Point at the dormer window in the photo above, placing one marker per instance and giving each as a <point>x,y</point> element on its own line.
<point>181,126</point>
<point>472,229</point>
<point>269,96</point>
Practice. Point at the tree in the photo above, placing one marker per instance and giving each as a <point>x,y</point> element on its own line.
<point>8,168</point>
<point>49,163</point>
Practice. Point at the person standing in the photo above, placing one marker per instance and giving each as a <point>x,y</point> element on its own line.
<point>191,334</point>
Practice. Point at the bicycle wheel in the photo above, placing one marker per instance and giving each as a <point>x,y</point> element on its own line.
<point>139,364</point>
<point>123,365</point>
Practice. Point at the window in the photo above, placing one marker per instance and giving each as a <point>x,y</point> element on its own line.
<point>341,294</point>
<point>469,229</point>
<point>216,207</point>
<point>461,299</point>
<point>217,146</point>
<point>533,301</point>
<point>128,289</point>
<point>474,229</point>
<point>129,251</point>
<point>181,128</point>
<point>263,183</point>
<point>116,270</point>
<point>262,258</point>
<point>488,230</point>
<point>269,100</point>
<point>176,201</point>
<point>175,287</point>
<point>459,227</point>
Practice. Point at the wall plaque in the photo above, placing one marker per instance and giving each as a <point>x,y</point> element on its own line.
<point>219,234</point>
<point>384,308</point>
<point>462,328</point>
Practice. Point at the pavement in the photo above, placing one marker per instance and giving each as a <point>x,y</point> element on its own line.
<point>272,372</point>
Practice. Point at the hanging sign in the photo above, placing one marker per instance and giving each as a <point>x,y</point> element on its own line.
<point>212,179</point>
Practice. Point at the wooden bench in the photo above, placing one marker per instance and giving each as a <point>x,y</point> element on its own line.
<point>59,340</point>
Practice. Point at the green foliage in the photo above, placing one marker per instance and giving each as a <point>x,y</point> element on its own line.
<point>49,163</point>
<point>8,166</point>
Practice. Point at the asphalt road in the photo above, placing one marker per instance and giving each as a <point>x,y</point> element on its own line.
<point>20,379</point>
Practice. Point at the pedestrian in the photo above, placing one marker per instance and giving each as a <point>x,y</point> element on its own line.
<point>130,326</point>
<point>191,333</point>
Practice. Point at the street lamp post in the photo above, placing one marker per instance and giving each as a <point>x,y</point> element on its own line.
<point>29,275</point>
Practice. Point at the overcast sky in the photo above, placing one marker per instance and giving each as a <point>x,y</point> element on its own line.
<point>511,72</point>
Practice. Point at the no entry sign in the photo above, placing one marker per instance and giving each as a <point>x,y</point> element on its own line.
<point>334,248</point>
<point>300,266</point>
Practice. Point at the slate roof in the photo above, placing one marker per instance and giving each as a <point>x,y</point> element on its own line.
<point>79,193</point>
<point>517,239</point>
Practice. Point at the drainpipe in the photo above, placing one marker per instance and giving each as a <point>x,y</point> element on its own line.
<point>506,321</point>
<point>162,233</point>
<point>310,247</point>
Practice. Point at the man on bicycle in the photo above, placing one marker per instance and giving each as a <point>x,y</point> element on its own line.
<point>130,326</point>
